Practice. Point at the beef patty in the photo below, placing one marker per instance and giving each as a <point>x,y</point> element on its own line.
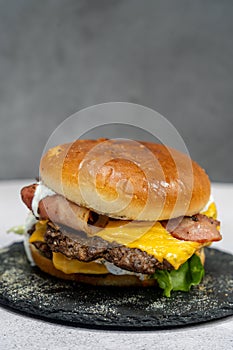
<point>77,245</point>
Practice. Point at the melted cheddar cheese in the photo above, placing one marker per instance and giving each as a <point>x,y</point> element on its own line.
<point>153,239</point>
<point>62,263</point>
<point>38,234</point>
<point>211,212</point>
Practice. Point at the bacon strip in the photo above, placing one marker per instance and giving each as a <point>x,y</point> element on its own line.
<point>197,228</point>
<point>27,194</point>
<point>60,210</point>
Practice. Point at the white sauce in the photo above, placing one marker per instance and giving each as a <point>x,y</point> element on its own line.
<point>41,192</point>
<point>114,270</point>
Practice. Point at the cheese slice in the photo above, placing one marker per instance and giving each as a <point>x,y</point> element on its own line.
<point>62,263</point>
<point>38,234</point>
<point>154,240</point>
<point>211,212</point>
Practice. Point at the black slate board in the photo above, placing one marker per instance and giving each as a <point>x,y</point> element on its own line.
<point>27,290</point>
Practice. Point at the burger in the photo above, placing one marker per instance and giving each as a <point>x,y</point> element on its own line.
<point>120,213</point>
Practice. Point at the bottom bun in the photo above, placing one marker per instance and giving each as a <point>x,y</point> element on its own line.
<point>46,265</point>
<point>201,254</point>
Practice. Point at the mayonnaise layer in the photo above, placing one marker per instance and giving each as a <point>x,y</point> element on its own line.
<point>41,192</point>
<point>115,270</point>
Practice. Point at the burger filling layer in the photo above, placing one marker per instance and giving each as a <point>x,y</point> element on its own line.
<point>135,247</point>
<point>142,248</point>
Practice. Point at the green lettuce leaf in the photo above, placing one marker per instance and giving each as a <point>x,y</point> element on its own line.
<point>19,230</point>
<point>188,274</point>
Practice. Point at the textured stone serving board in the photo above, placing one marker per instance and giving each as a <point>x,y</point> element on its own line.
<point>29,291</point>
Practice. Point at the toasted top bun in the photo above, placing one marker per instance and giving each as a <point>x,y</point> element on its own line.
<point>126,179</point>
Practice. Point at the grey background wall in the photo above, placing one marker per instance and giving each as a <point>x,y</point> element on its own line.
<point>57,57</point>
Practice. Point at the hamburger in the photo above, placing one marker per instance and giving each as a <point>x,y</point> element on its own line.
<point>120,213</point>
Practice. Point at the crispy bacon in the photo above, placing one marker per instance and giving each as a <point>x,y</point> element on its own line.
<point>60,210</point>
<point>197,228</point>
<point>27,194</point>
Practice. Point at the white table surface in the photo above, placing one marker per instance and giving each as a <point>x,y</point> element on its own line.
<point>22,332</point>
